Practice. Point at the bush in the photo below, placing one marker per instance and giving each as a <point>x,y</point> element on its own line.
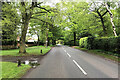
<point>86,42</point>
<point>104,43</point>
<point>83,42</point>
<point>7,47</point>
<point>9,42</point>
<point>77,42</point>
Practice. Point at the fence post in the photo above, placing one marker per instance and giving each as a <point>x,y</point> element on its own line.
<point>19,62</point>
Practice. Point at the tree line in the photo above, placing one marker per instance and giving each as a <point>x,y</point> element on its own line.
<point>68,21</point>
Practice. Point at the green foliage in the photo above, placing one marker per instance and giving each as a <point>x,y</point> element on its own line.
<point>83,42</point>
<point>10,21</point>
<point>69,17</point>
<point>60,42</point>
<point>86,42</point>
<point>105,43</point>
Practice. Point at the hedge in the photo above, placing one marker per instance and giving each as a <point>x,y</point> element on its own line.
<point>104,43</point>
<point>7,47</point>
<point>86,42</point>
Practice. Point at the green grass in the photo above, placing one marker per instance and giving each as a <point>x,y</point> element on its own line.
<point>105,54</point>
<point>35,50</point>
<point>10,70</point>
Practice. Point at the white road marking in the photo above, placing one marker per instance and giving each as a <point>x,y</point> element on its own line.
<point>69,55</point>
<point>80,67</point>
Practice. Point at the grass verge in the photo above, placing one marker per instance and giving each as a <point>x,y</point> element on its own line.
<point>35,50</point>
<point>10,70</point>
<point>102,53</point>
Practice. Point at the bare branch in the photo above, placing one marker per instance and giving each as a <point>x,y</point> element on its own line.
<point>39,12</point>
<point>39,3</point>
<point>105,13</point>
<point>44,9</point>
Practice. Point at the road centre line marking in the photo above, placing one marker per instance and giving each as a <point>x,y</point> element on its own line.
<point>80,67</point>
<point>68,55</point>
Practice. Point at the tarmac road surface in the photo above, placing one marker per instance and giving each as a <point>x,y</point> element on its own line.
<point>67,62</point>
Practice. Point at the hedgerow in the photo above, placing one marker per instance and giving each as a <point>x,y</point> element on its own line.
<point>104,43</point>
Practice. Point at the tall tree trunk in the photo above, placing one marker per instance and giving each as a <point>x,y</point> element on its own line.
<point>111,19</point>
<point>102,21</point>
<point>104,30</point>
<point>74,38</point>
<point>48,41</point>
<point>23,36</point>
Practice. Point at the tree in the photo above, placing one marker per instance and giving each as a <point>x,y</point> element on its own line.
<point>10,22</point>
<point>101,11</point>
<point>46,23</point>
<point>111,19</point>
<point>35,29</point>
<point>75,17</point>
<point>26,10</point>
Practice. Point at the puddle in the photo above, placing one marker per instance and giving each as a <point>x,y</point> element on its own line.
<point>33,62</point>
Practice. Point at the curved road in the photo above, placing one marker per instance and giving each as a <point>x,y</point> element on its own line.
<point>66,62</point>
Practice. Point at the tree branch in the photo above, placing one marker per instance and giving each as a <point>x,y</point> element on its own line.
<point>105,13</point>
<point>39,12</point>
<point>42,21</point>
<point>44,9</point>
<point>39,3</point>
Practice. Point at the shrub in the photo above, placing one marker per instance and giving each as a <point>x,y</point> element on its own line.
<point>77,42</point>
<point>104,43</point>
<point>83,42</point>
<point>86,42</point>
<point>12,42</point>
<point>6,47</point>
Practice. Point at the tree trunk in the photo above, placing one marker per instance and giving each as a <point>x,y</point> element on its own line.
<point>111,19</point>
<point>74,38</point>
<point>23,36</point>
<point>102,21</point>
<point>104,30</point>
<point>48,41</point>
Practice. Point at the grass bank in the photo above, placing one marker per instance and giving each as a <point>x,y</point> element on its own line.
<point>105,54</point>
<point>35,50</point>
<point>10,70</point>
